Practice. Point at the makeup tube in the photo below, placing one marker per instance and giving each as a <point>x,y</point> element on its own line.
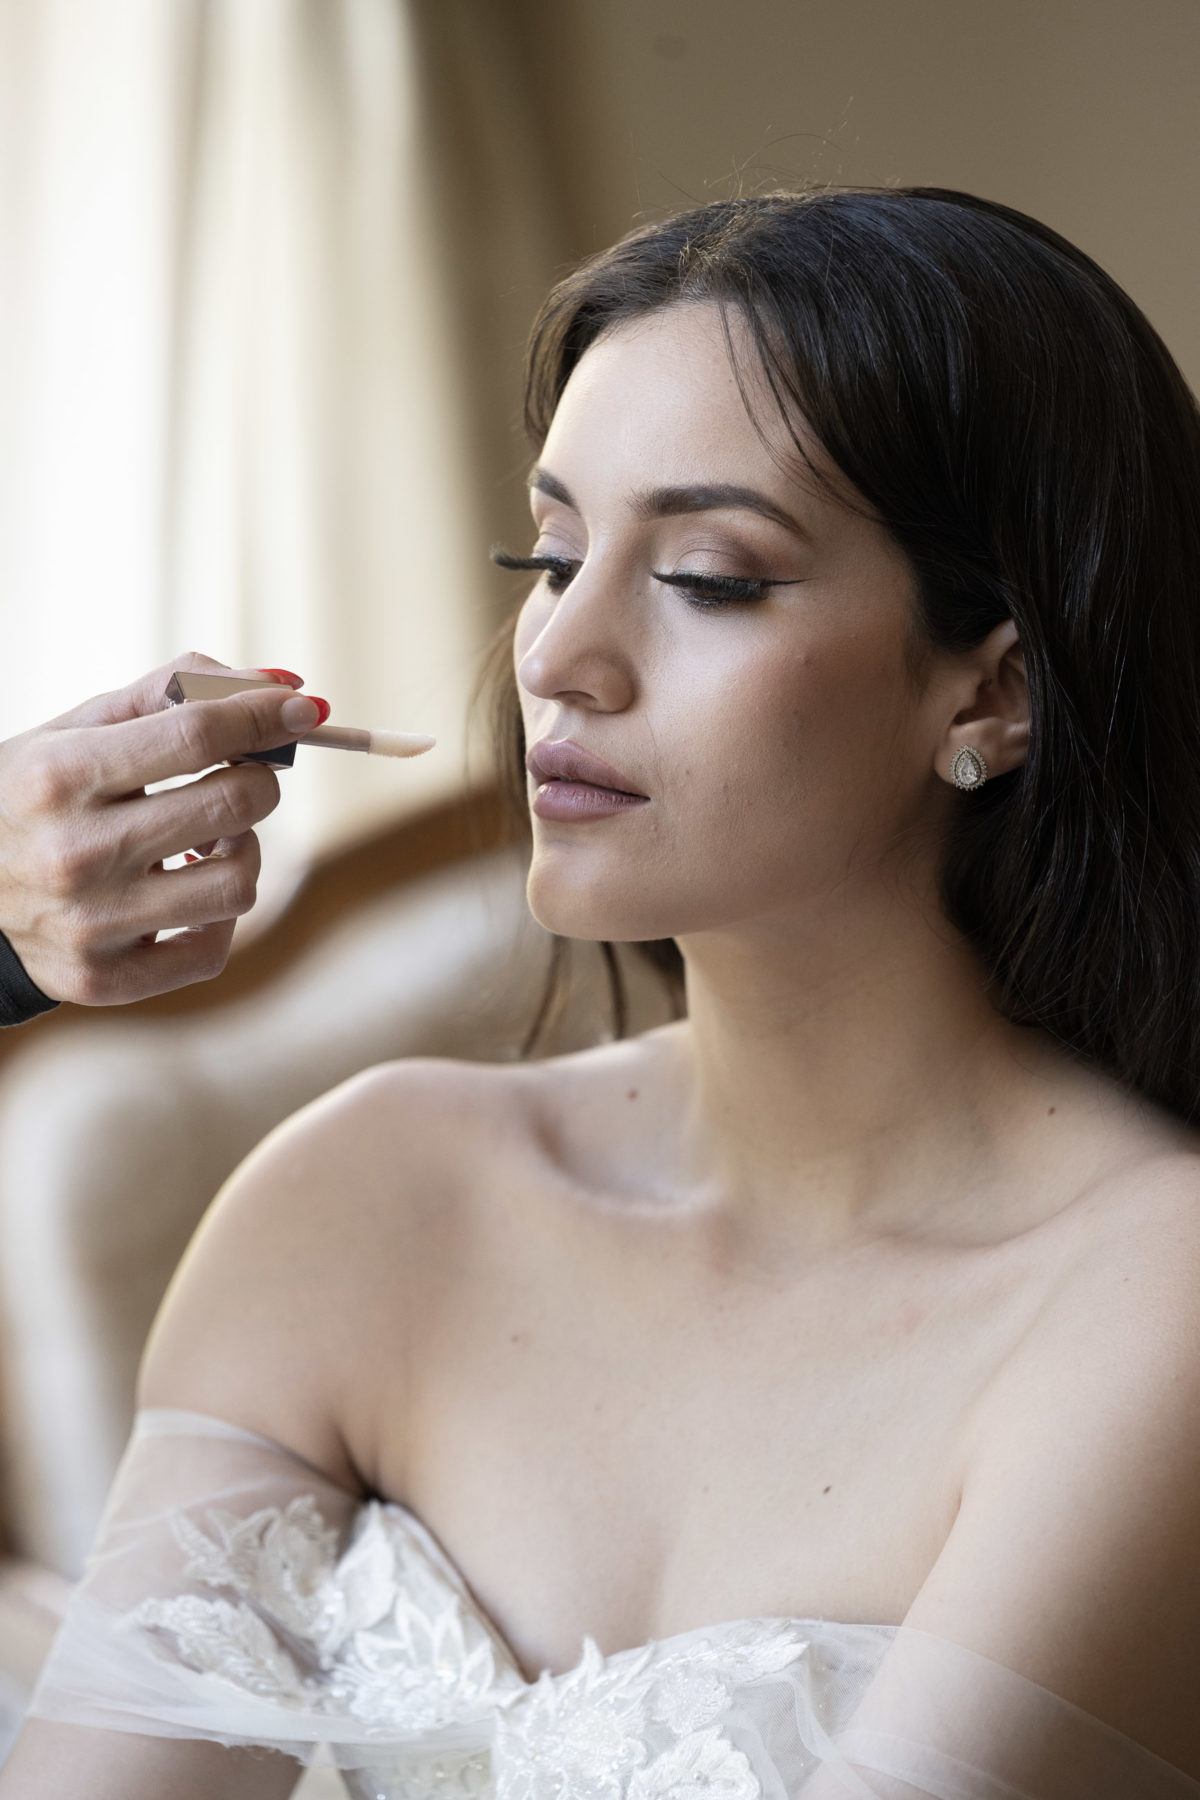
<point>186,684</point>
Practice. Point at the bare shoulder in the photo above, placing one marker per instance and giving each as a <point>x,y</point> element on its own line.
<point>1137,1272</point>
<point>290,1312</point>
<point>1075,1556</point>
<point>1126,1304</point>
<point>1119,1240</point>
<point>323,1225</point>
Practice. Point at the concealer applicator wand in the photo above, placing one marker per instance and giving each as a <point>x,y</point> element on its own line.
<point>186,685</point>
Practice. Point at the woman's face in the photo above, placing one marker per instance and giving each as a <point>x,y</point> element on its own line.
<point>774,733</point>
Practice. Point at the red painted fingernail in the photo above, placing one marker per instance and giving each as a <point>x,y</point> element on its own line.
<point>324,705</point>
<point>188,857</point>
<point>284,675</point>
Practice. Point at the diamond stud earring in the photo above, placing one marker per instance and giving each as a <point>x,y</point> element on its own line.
<point>968,770</point>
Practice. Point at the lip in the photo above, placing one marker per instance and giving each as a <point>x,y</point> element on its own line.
<point>567,762</point>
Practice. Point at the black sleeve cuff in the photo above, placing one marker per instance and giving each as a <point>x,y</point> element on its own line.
<point>20,998</point>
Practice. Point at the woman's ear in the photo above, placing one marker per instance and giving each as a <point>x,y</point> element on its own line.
<point>992,717</point>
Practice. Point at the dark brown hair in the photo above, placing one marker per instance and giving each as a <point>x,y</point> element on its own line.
<point>1025,436</point>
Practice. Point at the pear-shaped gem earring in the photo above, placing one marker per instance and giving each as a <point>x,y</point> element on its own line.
<point>968,770</point>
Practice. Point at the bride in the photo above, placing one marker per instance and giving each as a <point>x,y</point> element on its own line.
<point>802,1398</point>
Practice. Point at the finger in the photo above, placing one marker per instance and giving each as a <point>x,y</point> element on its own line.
<point>145,695</point>
<point>186,739</point>
<point>223,886</point>
<point>197,954</point>
<point>148,693</point>
<point>222,804</point>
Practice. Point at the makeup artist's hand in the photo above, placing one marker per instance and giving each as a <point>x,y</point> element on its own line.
<point>82,887</point>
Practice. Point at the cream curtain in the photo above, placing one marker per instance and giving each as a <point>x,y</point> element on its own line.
<point>266,266</point>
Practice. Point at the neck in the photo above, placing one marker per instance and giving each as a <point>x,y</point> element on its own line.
<point>848,1069</point>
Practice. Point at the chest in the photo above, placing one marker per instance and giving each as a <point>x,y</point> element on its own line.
<point>614,1445</point>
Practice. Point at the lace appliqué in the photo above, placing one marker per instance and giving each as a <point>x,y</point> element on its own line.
<point>377,1633</point>
<point>384,1634</point>
<point>643,1725</point>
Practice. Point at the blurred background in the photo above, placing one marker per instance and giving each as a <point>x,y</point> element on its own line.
<point>266,267</point>
<point>266,270</point>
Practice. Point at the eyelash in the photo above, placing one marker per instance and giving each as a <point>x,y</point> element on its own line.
<point>701,590</point>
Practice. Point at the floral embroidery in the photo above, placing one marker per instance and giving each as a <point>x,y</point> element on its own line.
<point>379,1633</point>
<point>703,1763</point>
<point>590,1733</point>
<point>284,1560</point>
<point>386,1634</point>
<point>225,1640</point>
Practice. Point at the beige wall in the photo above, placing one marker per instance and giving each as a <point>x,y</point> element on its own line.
<point>1085,113</point>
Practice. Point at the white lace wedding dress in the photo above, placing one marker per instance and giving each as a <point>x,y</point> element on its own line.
<point>236,1594</point>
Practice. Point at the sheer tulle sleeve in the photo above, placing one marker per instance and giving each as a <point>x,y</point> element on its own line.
<point>939,1722</point>
<point>235,1595</point>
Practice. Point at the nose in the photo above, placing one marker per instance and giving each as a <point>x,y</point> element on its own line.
<point>580,652</point>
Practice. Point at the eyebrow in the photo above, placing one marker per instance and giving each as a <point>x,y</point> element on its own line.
<point>672,502</point>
